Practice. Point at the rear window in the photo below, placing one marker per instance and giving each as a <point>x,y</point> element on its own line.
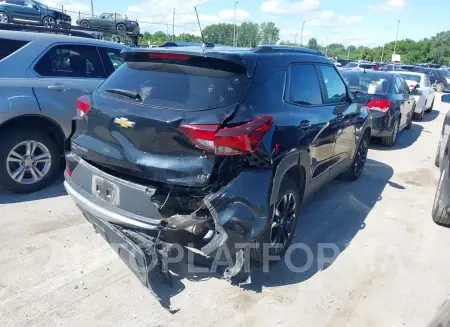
<point>10,46</point>
<point>180,86</point>
<point>367,83</point>
<point>411,77</point>
<point>443,73</point>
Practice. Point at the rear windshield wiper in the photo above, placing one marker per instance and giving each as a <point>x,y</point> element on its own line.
<point>126,93</point>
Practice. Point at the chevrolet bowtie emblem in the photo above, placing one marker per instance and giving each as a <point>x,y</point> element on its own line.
<point>123,122</point>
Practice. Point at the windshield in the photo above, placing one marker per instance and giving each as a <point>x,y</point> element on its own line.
<point>411,77</point>
<point>197,88</point>
<point>367,83</point>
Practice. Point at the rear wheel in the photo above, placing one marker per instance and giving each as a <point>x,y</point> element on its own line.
<point>431,107</point>
<point>29,161</point>
<point>410,119</point>
<point>355,170</point>
<point>419,116</point>
<point>281,228</point>
<point>439,213</point>
<point>440,87</point>
<point>390,140</point>
<point>4,18</point>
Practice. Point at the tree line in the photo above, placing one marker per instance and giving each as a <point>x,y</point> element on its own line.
<point>435,49</point>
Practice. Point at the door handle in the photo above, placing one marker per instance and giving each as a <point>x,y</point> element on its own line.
<point>57,87</point>
<point>305,124</point>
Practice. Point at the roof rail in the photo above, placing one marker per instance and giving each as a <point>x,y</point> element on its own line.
<point>42,29</point>
<point>284,49</point>
<point>186,44</point>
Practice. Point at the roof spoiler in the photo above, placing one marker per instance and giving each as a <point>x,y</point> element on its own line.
<point>169,44</point>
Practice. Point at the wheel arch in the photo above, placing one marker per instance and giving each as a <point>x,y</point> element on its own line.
<point>295,166</point>
<point>44,124</point>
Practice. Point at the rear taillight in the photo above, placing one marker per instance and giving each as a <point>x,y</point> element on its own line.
<point>68,172</point>
<point>83,105</point>
<point>229,141</point>
<point>379,105</point>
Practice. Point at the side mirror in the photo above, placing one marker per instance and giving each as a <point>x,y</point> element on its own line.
<point>446,98</point>
<point>416,86</point>
<point>361,98</point>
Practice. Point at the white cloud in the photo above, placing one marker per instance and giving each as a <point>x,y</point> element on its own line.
<point>228,15</point>
<point>388,5</point>
<point>287,7</point>
<point>329,18</point>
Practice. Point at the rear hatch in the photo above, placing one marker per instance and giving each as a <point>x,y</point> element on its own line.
<point>154,117</point>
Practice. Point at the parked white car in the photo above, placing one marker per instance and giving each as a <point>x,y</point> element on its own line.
<point>420,87</point>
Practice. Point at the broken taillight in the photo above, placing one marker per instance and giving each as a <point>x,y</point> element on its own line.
<point>382,105</point>
<point>83,105</point>
<point>229,141</point>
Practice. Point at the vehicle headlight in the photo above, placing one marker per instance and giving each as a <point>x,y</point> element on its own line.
<point>448,80</point>
<point>133,23</point>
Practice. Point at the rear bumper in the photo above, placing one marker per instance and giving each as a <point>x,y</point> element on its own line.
<point>382,124</point>
<point>235,213</point>
<point>420,104</point>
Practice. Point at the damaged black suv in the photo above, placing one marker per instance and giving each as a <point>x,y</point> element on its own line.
<point>212,147</point>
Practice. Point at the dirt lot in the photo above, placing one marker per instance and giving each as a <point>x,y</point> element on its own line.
<point>392,269</point>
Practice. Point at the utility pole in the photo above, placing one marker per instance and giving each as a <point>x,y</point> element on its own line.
<point>167,34</point>
<point>295,39</point>
<point>382,52</point>
<point>396,37</point>
<point>348,53</point>
<point>173,25</point>
<point>234,24</point>
<point>92,8</point>
<point>301,35</point>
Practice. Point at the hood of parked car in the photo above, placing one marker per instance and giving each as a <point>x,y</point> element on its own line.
<point>58,15</point>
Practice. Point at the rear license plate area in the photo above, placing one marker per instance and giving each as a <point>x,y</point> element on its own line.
<point>105,190</point>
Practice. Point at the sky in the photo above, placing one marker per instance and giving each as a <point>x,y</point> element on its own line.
<point>356,22</point>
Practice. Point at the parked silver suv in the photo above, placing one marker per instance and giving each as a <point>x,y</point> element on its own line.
<point>41,77</point>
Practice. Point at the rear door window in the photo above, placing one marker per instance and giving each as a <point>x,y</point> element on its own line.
<point>71,61</point>
<point>197,84</point>
<point>366,66</point>
<point>335,87</point>
<point>8,47</point>
<point>304,88</point>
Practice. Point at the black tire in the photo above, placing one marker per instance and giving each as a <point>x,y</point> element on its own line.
<point>439,212</point>
<point>437,159</point>
<point>288,186</point>
<point>6,17</point>
<point>48,25</point>
<point>440,87</point>
<point>390,140</point>
<point>9,141</point>
<point>85,23</point>
<point>419,116</point>
<point>431,107</point>
<point>359,161</point>
<point>410,120</point>
<point>121,29</point>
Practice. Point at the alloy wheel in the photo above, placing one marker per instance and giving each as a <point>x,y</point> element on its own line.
<point>361,157</point>
<point>4,18</point>
<point>85,24</point>
<point>121,28</point>
<point>28,162</point>
<point>440,87</point>
<point>283,222</point>
<point>49,21</point>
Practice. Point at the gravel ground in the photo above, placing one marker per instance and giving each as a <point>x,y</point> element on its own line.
<point>392,269</point>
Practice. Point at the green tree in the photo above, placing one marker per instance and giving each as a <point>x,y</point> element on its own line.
<point>313,44</point>
<point>248,35</point>
<point>219,33</point>
<point>269,33</point>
